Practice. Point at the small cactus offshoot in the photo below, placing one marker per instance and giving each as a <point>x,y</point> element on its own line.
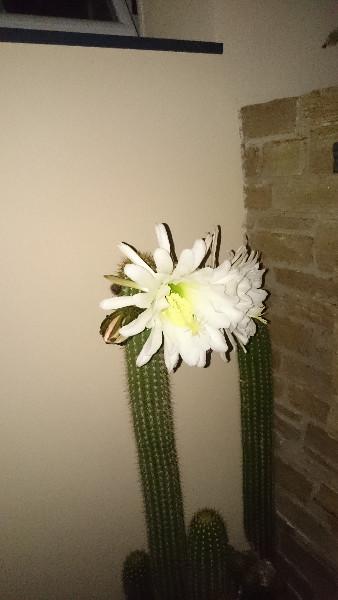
<point>136,576</point>
<point>207,548</point>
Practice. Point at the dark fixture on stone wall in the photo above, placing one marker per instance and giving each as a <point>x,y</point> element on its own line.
<point>332,39</point>
<point>335,157</point>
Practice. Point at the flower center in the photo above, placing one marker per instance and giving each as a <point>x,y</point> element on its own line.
<point>180,311</point>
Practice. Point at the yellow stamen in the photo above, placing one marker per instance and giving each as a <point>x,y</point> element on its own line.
<point>180,311</point>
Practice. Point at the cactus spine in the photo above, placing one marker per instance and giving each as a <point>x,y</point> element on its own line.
<point>136,576</point>
<point>151,409</point>
<point>257,416</point>
<point>207,545</point>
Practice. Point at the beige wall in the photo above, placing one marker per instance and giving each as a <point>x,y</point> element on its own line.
<point>272,48</point>
<point>97,145</point>
<point>190,19</point>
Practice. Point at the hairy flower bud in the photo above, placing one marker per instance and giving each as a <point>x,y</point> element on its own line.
<point>110,328</point>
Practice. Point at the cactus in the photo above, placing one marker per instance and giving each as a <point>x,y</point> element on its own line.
<point>207,547</point>
<point>151,409</point>
<point>136,576</point>
<point>257,416</point>
<point>152,417</point>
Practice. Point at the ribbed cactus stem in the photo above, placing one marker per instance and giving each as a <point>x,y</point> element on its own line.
<point>152,415</point>
<point>136,576</point>
<point>257,422</point>
<point>207,546</point>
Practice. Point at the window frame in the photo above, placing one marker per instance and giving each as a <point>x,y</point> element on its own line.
<point>125,25</point>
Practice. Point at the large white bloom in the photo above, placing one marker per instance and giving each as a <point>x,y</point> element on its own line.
<point>190,309</point>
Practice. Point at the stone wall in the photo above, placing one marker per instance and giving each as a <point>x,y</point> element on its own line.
<point>291,197</point>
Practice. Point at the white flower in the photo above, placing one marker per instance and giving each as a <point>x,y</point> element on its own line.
<point>250,293</point>
<point>188,308</point>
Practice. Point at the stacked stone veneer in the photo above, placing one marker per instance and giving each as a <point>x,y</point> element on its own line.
<point>291,196</point>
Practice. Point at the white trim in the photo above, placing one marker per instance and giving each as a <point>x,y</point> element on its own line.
<point>125,26</point>
<point>141,20</point>
<point>134,16</point>
<point>124,14</point>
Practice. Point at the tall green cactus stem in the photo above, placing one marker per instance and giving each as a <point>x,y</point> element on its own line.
<point>136,576</point>
<point>257,422</point>
<point>154,432</point>
<point>207,548</point>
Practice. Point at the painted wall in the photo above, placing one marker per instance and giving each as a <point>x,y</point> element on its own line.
<point>272,48</point>
<point>191,19</point>
<point>97,145</point>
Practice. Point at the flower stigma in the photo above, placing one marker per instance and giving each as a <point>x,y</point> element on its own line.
<point>180,311</point>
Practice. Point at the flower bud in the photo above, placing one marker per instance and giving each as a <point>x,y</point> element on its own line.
<point>110,328</point>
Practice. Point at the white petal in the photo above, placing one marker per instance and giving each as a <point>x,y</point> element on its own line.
<point>258,296</point>
<point>162,237</point>
<point>190,355</point>
<point>224,304</point>
<point>216,339</point>
<point>142,277</point>
<point>171,357</point>
<point>160,304</point>
<point>190,259</point>
<point>189,349</point>
<point>185,263</point>
<point>221,273</point>
<point>203,276</point>
<point>202,359</point>
<point>199,251</point>
<point>243,286</point>
<point>151,346</point>
<point>163,261</point>
<point>130,253</point>
<point>171,351</point>
<point>137,325</point>
<point>117,302</point>
<point>225,320</point>
<point>143,299</point>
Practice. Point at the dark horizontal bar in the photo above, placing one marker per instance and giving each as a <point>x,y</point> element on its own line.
<point>97,40</point>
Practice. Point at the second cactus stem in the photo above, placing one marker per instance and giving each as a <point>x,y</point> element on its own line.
<point>152,416</point>
<point>257,414</point>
